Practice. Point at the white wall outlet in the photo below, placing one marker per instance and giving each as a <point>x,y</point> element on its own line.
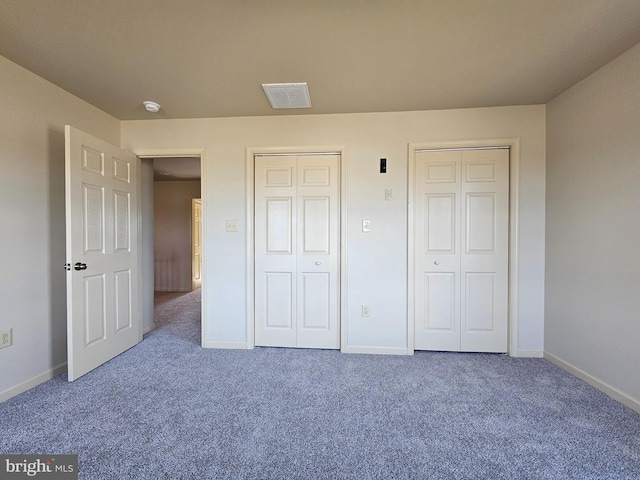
<point>232,225</point>
<point>5,338</point>
<point>388,193</point>
<point>366,311</point>
<point>366,225</point>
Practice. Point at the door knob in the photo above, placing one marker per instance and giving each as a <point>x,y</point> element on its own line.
<point>80,266</point>
<point>318,263</point>
<point>437,262</point>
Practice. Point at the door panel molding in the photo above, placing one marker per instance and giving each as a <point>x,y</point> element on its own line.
<point>314,177</point>
<point>479,174</point>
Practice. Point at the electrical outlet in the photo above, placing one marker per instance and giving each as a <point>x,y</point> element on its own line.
<point>5,338</point>
<point>366,310</point>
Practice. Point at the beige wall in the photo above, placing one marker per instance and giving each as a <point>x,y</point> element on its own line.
<point>147,253</point>
<point>377,262</point>
<point>592,315</point>
<point>172,234</point>
<point>33,113</point>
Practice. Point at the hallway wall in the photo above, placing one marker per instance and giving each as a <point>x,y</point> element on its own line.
<point>172,234</point>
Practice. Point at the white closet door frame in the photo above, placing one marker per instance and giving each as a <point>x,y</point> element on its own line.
<point>250,242</point>
<point>514,161</point>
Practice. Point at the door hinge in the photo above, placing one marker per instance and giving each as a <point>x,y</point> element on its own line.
<point>67,266</point>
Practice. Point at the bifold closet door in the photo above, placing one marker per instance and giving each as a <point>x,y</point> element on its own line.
<point>461,239</point>
<point>297,251</point>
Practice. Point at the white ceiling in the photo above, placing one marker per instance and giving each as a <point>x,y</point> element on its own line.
<point>208,58</point>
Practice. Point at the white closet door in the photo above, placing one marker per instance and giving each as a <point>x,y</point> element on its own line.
<point>484,262</point>
<point>275,251</point>
<point>461,250</point>
<point>296,251</point>
<point>437,243</point>
<point>318,251</point>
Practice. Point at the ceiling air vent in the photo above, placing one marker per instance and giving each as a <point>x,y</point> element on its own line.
<point>288,95</point>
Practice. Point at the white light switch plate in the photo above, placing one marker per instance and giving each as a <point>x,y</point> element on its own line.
<point>232,225</point>
<point>366,225</point>
<point>388,194</point>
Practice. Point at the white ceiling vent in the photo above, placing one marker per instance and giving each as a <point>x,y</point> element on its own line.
<point>288,95</point>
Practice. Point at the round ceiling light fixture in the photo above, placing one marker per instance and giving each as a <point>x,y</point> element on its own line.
<point>152,107</point>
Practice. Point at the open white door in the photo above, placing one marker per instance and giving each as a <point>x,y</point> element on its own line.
<point>101,194</point>
<point>196,243</point>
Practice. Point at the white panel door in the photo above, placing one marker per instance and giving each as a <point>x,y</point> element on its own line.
<point>484,256</point>
<point>461,250</point>
<point>275,243</point>
<point>196,243</point>
<point>102,251</point>
<point>437,231</point>
<point>296,251</point>
<point>318,251</point>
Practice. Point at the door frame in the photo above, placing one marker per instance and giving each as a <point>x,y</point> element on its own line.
<point>251,153</point>
<point>514,163</point>
<point>188,152</point>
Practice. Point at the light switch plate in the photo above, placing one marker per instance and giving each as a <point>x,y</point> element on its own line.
<point>232,225</point>
<point>388,194</point>
<point>366,225</point>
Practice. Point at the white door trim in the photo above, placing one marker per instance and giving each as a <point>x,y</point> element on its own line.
<point>189,152</point>
<point>251,153</point>
<point>514,164</point>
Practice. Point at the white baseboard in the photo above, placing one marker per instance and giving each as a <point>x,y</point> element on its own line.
<point>530,354</point>
<point>32,382</point>
<point>376,350</point>
<point>225,345</point>
<point>148,328</point>
<point>613,392</point>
